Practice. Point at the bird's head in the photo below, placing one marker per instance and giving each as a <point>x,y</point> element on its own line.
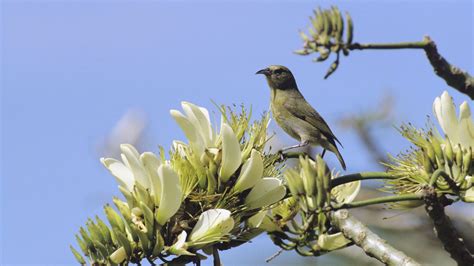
<point>278,77</point>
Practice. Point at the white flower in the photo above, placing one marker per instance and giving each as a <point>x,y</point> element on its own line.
<point>130,171</point>
<point>266,191</point>
<point>180,246</point>
<point>251,172</point>
<point>196,125</point>
<point>262,221</point>
<point>458,130</point>
<point>347,192</point>
<point>146,169</point>
<point>212,226</point>
<point>198,130</point>
<point>332,242</point>
<point>231,154</point>
<point>169,191</point>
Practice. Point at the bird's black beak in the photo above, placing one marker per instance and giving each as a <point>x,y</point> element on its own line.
<point>264,71</point>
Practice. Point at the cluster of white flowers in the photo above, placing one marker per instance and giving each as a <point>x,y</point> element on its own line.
<point>460,130</point>
<point>216,157</point>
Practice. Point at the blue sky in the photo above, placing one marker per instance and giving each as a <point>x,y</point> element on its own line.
<point>71,69</point>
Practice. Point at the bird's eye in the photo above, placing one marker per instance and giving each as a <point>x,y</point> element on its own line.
<point>278,71</point>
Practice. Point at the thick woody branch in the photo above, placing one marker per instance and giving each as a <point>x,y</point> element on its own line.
<point>454,77</point>
<point>445,230</point>
<point>371,243</point>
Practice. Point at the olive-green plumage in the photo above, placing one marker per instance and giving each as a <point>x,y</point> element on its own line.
<point>295,115</point>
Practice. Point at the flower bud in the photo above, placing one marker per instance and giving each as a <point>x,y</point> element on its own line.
<point>458,155</point>
<point>467,159</point>
<point>448,150</point>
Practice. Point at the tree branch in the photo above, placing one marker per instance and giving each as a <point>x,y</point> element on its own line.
<point>445,230</point>
<point>360,176</point>
<point>454,76</point>
<point>215,254</point>
<point>372,244</point>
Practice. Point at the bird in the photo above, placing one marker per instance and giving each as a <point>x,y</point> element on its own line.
<point>295,115</point>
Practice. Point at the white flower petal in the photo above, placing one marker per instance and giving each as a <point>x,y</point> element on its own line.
<point>170,192</point>
<point>466,127</point>
<point>333,241</point>
<point>151,164</point>
<point>469,195</point>
<point>211,225</point>
<point>347,192</point>
<point>251,172</point>
<point>123,175</point>
<point>231,154</point>
<point>448,112</point>
<point>266,192</point>
<point>185,124</point>
<point>180,247</point>
<point>256,220</point>
<point>437,111</point>
<point>133,159</point>
<point>200,120</point>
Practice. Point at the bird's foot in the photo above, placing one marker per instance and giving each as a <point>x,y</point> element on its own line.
<point>282,156</point>
<point>299,145</point>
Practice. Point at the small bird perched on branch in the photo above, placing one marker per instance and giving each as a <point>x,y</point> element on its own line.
<point>295,115</point>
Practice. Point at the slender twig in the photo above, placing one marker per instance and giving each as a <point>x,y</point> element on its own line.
<point>272,257</point>
<point>356,204</point>
<point>360,176</point>
<point>371,243</point>
<point>215,254</point>
<point>454,76</point>
<point>391,46</point>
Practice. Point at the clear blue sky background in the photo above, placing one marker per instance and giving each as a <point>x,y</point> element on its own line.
<point>70,69</point>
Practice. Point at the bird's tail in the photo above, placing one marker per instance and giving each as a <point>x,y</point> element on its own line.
<point>339,156</point>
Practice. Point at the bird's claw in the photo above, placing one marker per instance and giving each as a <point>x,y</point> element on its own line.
<point>282,156</point>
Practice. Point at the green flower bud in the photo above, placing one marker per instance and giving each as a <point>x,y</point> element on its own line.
<point>458,155</point>
<point>448,150</point>
<point>467,159</point>
<point>118,256</point>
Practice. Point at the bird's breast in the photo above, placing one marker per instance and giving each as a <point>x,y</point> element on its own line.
<point>284,119</point>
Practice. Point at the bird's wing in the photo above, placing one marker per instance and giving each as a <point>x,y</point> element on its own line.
<point>304,111</point>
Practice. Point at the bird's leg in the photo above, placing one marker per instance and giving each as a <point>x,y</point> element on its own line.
<point>299,145</point>
<point>322,154</point>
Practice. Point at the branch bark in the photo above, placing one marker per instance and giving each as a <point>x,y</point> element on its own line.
<point>454,76</point>
<point>445,230</point>
<point>372,244</point>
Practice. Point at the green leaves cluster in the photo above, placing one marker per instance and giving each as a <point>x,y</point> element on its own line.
<point>302,219</point>
<point>430,154</point>
<point>326,36</point>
